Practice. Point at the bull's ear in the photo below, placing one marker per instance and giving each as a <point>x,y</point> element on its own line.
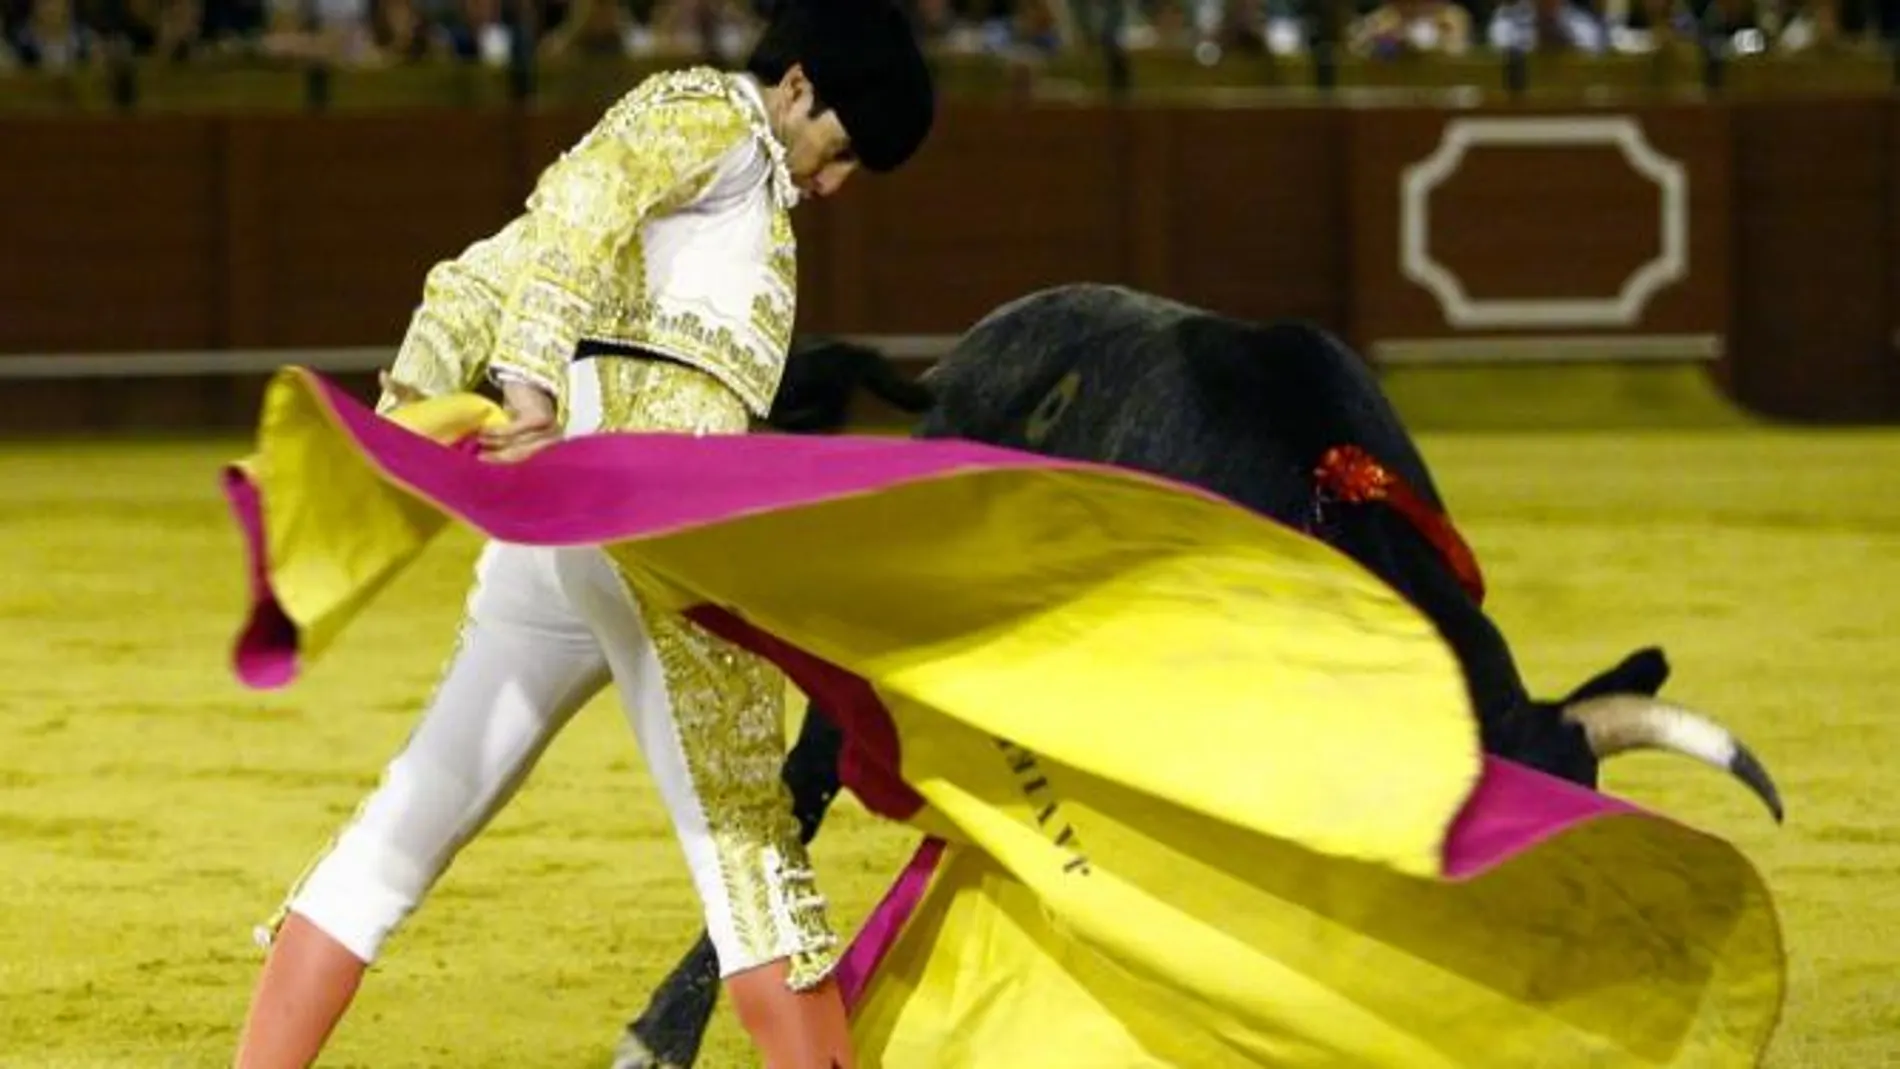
<point>1642,672</point>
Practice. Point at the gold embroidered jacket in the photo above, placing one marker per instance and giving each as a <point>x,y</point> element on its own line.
<point>666,227</point>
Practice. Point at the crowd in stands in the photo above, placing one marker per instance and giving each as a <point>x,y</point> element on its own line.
<point>63,34</point>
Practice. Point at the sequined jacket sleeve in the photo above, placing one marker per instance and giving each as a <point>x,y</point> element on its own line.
<point>517,304</point>
<point>580,237</point>
<point>445,348</point>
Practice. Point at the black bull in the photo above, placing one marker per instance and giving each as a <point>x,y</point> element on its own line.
<point>1250,411</point>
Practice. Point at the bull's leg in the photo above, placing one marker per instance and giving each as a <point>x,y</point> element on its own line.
<point>669,1031</point>
<point>811,771</point>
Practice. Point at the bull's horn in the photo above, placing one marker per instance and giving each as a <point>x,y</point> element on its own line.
<point>1615,723</point>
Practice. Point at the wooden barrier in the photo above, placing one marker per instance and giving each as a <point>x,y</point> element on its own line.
<point>1763,231</point>
<point>1814,317</point>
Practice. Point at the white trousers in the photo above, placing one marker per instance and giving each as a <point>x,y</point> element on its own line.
<point>546,629</point>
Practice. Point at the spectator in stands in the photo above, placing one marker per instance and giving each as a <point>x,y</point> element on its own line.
<point>475,32</point>
<point>234,24</point>
<point>1879,19</point>
<point>1547,26</point>
<point>938,26</point>
<point>176,27</point>
<point>715,29</point>
<point>51,37</point>
<point>1399,28</point>
<point>737,28</point>
<point>1288,26</point>
<point>130,26</point>
<point>1036,28</point>
<point>13,18</point>
<point>1817,24</point>
<point>1024,30</point>
<point>1645,25</point>
<point>400,32</point>
<point>596,29</point>
<point>1160,24</point>
<point>334,30</point>
<point>1246,26</point>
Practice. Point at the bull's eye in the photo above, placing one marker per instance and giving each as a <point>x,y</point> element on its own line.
<point>1049,412</point>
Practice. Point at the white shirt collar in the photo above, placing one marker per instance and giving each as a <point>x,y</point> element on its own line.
<point>783,190</point>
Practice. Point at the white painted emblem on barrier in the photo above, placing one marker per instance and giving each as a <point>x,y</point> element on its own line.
<point>1623,310</point>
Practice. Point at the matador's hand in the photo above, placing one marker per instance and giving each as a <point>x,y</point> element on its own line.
<point>532,425</point>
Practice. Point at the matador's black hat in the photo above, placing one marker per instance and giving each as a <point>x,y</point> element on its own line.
<point>863,60</point>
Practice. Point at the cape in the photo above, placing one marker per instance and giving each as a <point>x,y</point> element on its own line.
<point>1194,788</point>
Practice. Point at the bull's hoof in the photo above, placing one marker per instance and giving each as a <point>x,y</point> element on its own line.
<point>673,1025</point>
<point>634,1054</point>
